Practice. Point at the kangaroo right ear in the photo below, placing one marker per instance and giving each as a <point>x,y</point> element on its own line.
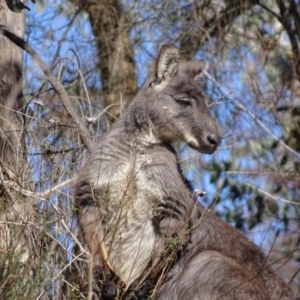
<point>167,62</point>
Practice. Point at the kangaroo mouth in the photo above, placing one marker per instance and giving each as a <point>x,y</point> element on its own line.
<point>205,149</point>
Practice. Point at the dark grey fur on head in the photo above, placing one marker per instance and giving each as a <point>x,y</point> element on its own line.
<point>138,215</point>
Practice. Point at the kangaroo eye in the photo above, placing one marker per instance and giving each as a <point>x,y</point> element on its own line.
<point>184,102</point>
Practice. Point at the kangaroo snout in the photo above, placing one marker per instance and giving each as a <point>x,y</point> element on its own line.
<point>213,139</point>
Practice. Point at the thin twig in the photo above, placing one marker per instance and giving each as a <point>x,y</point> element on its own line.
<point>259,122</point>
<point>271,196</point>
<point>16,187</point>
<point>264,173</point>
<point>84,133</point>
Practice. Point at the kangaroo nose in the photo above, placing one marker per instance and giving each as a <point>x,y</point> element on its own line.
<point>213,139</point>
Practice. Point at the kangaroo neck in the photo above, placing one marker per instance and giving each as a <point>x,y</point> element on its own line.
<point>138,131</point>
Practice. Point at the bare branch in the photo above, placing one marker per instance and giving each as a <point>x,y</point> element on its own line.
<point>259,122</point>
<point>54,81</point>
<point>271,196</point>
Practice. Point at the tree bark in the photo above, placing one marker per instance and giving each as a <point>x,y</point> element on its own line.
<point>11,97</point>
<point>15,210</point>
<point>115,52</point>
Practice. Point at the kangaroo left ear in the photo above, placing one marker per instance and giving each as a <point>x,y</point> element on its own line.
<point>193,69</point>
<point>167,62</point>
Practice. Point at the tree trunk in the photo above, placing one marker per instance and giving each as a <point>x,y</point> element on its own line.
<point>15,210</point>
<point>11,97</point>
<point>115,52</point>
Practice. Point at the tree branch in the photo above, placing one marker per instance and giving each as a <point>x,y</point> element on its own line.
<point>287,22</point>
<point>84,133</point>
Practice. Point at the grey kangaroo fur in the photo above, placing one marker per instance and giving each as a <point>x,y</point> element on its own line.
<point>139,216</point>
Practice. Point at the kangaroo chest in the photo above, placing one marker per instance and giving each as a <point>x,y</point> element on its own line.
<point>130,202</point>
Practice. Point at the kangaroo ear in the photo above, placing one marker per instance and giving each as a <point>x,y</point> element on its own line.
<point>192,69</point>
<point>167,62</point>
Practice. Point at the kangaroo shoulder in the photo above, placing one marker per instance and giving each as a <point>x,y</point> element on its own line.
<point>108,161</point>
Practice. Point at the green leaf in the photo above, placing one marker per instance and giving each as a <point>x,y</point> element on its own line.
<point>40,5</point>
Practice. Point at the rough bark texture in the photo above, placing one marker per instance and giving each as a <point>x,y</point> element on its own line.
<point>11,97</point>
<point>115,52</point>
<point>15,210</point>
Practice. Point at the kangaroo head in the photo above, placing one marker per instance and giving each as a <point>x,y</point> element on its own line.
<point>176,107</point>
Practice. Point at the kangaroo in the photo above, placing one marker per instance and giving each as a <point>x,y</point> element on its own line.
<point>139,216</point>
